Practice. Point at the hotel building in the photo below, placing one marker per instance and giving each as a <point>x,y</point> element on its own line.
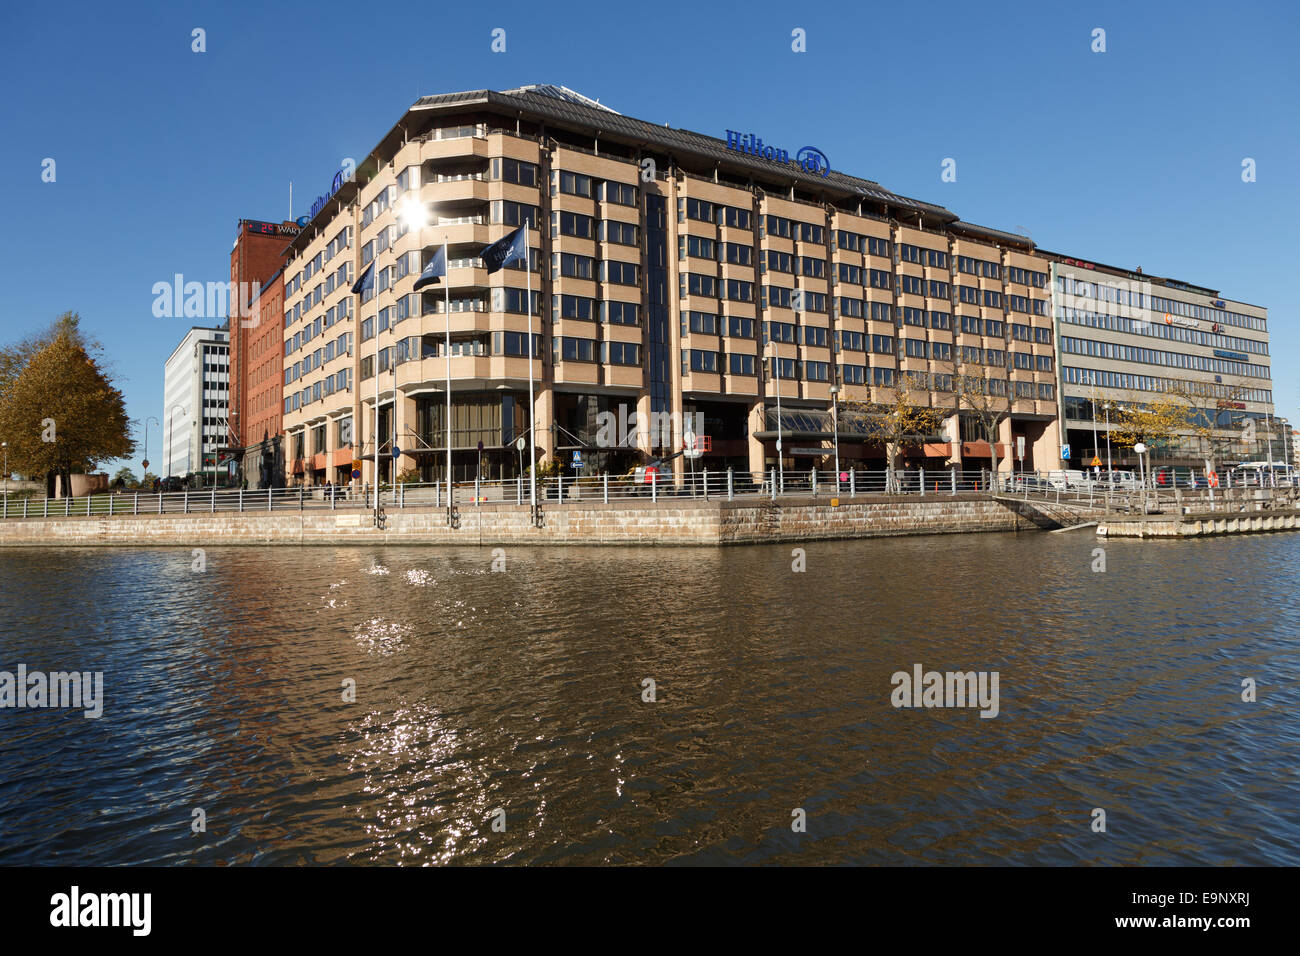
<point>674,274</point>
<point>1127,338</point>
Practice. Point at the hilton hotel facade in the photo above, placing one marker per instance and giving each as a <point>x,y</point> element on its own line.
<point>674,274</point>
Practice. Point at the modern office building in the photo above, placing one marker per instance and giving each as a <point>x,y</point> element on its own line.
<point>257,350</point>
<point>679,277</point>
<point>1129,338</point>
<point>196,395</point>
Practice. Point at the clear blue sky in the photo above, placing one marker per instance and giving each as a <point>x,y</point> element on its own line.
<point>1130,157</point>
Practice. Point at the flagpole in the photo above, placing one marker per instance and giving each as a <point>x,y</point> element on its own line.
<point>532,406</point>
<point>373,263</point>
<point>446,287</point>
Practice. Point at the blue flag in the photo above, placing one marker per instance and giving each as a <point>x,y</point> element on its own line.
<point>435,270</point>
<point>513,247</point>
<point>366,280</point>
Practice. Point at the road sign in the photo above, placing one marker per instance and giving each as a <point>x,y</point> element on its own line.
<point>690,446</point>
<point>356,467</point>
<point>145,463</point>
<point>356,472</point>
<point>1065,452</point>
<point>1213,478</point>
<point>1096,462</point>
<point>1020,447</point>
<point>577,459</point>
<point>397,452</point>
<point>521,444</point>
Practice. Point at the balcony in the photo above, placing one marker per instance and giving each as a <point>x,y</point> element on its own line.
<point>454,189</point>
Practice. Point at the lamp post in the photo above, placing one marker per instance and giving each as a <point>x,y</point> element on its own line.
<point>1141,449</point>
<point>780,461</point>
<point>1268,418</point>
<point>835,428</point>
<point>1106,409</point>
<point>145,459</point>
<point>414,216</point>
<point>1092,407</point>
<point>5,446</point>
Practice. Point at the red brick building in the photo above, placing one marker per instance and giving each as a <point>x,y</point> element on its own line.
<point>257,350</point>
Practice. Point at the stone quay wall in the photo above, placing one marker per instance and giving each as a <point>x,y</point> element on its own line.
<point>665,522</point>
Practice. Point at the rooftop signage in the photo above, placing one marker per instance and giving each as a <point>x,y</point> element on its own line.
<point>1238,356</point>
<point>344,175</point>
<point>810,159</point>
<point>260,228</point>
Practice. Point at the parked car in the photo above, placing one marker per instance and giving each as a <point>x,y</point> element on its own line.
<point>1121,480</point>
<point>1032,483</point>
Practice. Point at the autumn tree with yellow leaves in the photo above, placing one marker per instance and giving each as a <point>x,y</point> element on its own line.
<point>59,411</point>
<point>899,422</point>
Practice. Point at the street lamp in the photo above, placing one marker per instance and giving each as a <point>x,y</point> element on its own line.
<point>835,427</point>
<point>1106,409</point>
<point>1092,407</point>
<point>780,461</point>
<point>145,459</point>
<point>1140,449</point>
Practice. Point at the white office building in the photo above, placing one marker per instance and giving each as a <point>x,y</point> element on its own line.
<point>196,397</point>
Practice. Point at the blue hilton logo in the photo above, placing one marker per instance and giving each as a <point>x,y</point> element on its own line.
<point>810,159</point>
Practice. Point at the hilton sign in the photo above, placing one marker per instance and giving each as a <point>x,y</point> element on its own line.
<point>810,159</point>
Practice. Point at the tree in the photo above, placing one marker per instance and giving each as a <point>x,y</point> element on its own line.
<point>900,422</point>
<point>977,396</point>
<point>60,412</point>
<point>14,358</point>
<point>1154,422</point>
<point>1204,404</point>
<point>125,478</point>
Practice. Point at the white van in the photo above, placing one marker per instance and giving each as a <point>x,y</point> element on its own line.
<point>1257,473</point>
<point>1066,480</point>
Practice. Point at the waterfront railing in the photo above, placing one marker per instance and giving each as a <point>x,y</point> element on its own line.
<point>647,486</point>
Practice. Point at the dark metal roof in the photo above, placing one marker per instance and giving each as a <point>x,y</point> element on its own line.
<point>562,110</point>
<point>562,107</point>
<point>987,232</point>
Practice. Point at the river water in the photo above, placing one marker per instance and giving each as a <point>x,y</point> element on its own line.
<point>502,715</point>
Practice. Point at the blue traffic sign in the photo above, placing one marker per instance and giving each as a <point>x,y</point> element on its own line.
<point>577,459</point>
<point>1065,452</point>
<point>397,452</point>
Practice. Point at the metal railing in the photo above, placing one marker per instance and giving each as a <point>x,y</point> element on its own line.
<point>704,484</point>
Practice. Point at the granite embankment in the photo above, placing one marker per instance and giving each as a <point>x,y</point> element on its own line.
<point>665,522</point>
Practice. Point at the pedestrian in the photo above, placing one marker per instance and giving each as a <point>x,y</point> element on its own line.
<point>329,490</point>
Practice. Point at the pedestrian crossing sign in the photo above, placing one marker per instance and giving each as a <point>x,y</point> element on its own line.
<point>1096,462</point>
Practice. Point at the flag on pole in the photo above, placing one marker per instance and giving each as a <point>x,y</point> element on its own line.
<point>366,280</point>
<point>511,248</point>
<point>435,270</point>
